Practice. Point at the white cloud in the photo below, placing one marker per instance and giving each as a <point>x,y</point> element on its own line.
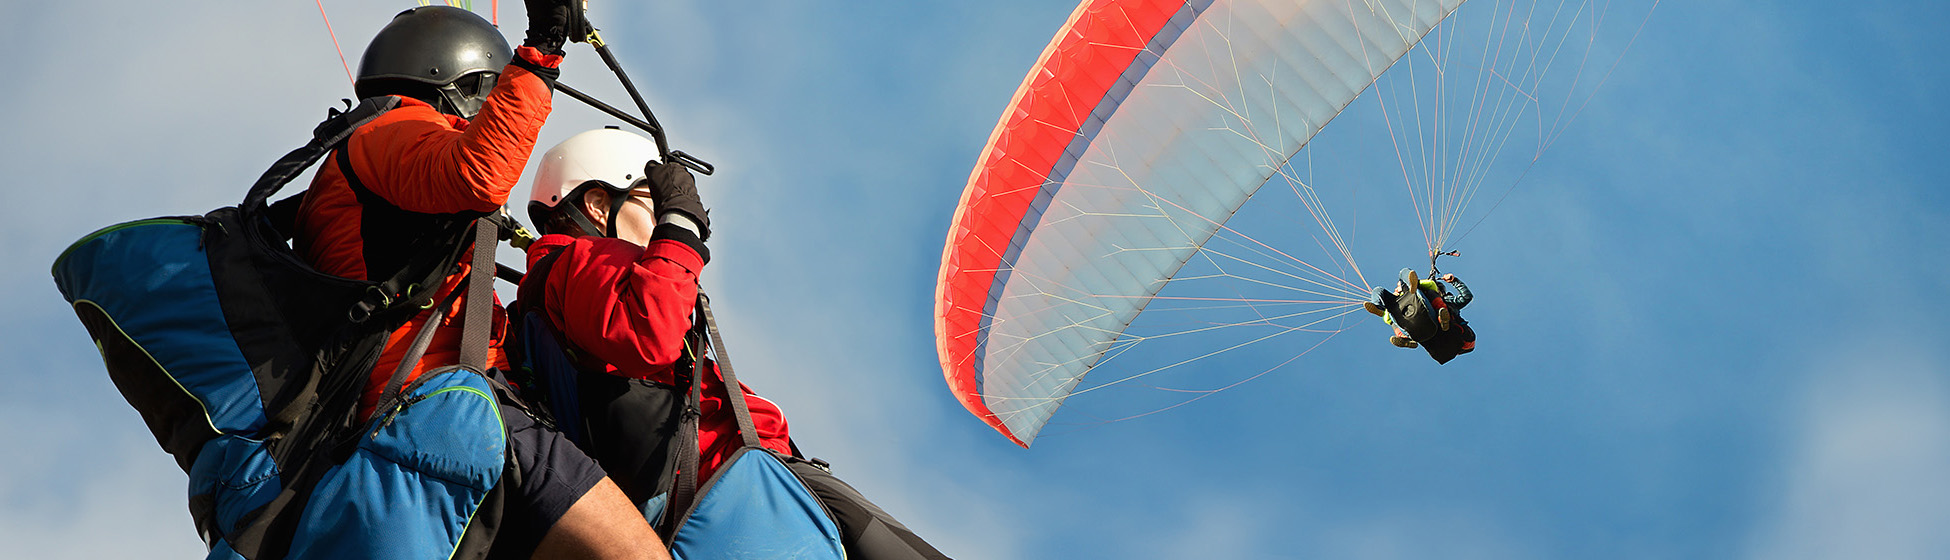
<point>1868,473</point>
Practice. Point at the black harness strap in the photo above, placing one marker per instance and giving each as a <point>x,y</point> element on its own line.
<point>735,391</point>
<point>478,322</point>
<point>409,272</point>
<point>327,135</point>
<point>390,398</point>
<point>683,494</point>
<point>683,491</point>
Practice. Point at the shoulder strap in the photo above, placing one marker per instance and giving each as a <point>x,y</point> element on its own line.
<point>531,299</point>
<point>477,321</point>
<point>407,362</point>
<point>477,324</point>
<point>324,138</point>
<point>683,493</point>
<point>532,295</point>
<point>733,391</point>
<point>416,275</point>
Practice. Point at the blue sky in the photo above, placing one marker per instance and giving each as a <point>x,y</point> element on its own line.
<point>1706,316</point>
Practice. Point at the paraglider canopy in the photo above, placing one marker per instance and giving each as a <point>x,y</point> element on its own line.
<point>1098,225</point>
<point>1117,119</point>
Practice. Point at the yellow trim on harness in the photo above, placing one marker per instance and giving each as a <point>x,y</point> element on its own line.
<point>152,359</point>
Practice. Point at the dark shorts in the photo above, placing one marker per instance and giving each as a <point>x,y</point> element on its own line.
<point>552,475</point>
<point>867,531</point>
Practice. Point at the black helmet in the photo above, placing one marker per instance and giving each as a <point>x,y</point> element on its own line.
<point>442,55</point>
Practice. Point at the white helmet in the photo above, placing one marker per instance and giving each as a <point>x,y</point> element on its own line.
<point>606,158</point>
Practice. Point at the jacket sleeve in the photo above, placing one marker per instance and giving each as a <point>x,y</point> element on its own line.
<point>1461,296</point>
<point>629,306</point>
<point>424,162</point>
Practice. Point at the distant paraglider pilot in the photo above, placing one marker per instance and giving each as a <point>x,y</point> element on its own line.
<point>1424,313</point>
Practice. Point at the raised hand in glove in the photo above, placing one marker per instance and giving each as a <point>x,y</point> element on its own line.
<point>673,189</point>
<point>553,22</point>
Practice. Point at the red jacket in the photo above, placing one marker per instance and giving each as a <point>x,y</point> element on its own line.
<point>628,306</point>
<point>422,161</point>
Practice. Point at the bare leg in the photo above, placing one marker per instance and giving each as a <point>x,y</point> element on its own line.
<point>602,525</point>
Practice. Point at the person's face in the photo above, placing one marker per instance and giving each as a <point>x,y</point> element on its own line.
<point>635,221</point>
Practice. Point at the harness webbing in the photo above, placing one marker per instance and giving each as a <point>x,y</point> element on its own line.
<point>389,398</point>
<point>683,493</point>
<point>478,322</point>
<point>735,391</point>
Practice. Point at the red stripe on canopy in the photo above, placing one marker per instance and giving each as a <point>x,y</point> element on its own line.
<point>1077,69</point>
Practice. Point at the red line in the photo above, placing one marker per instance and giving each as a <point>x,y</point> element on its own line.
<point>335,42</point>
<point>1234,300</point>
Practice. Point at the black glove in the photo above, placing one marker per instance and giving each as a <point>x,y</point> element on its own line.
<point>553,22</point>
<point>673,189</point>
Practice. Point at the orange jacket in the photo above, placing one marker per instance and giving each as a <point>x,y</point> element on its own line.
<point>425,162</point>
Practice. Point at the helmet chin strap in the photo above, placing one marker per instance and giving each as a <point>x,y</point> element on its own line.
<point>616,202</point>
<point>581,217</point>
